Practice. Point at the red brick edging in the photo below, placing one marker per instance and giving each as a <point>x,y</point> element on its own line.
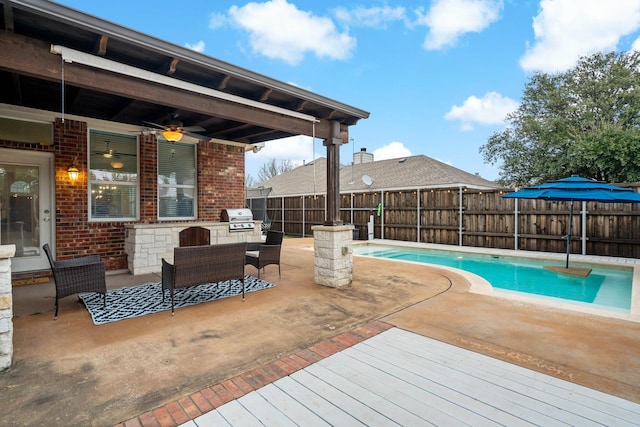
<point>177,412</point>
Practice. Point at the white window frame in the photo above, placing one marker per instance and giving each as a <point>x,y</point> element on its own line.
<point>174,188</point>
<point>133,158</point>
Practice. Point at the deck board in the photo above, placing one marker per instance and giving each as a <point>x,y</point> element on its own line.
<point>520,406</point>
<point>360,411</point>
<point>396,414</point>
<point>263,410</point>
<point>400,378</point>
<point>570,396</point>
<point>289,406</point>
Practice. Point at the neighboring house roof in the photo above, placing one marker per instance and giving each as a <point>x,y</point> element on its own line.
<point>117,74</point>
<point>394,174</point>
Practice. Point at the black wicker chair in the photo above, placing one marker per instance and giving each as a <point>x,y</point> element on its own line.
<point>267,253</point>
<point>273,238</point>
<point>77,275</point>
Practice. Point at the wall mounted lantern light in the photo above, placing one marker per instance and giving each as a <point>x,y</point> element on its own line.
<point>73,172</point>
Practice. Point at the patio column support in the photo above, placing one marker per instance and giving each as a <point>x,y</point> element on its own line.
<point>6,307</point>
<point>333,255</point>
<point>333,241</point>
<point>333,144</point>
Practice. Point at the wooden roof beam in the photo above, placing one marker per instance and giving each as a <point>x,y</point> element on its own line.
<point>30,57</point>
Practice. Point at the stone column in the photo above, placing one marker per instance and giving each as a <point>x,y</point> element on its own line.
<point>333,255</point>
<point>6,307</point>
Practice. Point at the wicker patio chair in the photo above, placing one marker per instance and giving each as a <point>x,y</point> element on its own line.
<point>266,253</point>
<point>273,238</point>
<point>77,275</point>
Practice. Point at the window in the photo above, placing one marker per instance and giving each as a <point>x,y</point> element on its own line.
<point>176,180</point>
<point>113,176</point>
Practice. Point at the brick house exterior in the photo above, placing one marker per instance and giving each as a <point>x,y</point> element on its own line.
<point>220,185</point>
<point>68,74</point>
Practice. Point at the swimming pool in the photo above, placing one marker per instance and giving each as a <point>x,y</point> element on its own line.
<point>605,288</point>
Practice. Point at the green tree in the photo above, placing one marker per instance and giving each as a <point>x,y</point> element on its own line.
<point>584,121</point>
<point>273,168</point>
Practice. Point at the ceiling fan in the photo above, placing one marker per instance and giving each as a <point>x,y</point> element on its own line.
<point>112,156</point>
<point>173,129</point>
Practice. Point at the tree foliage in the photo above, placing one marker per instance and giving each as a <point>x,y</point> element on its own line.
<point>584,121</point>
<point>273,168</point>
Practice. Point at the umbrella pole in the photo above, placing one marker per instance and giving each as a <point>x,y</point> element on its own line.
<point>569,235</point>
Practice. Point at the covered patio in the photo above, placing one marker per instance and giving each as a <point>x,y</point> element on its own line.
<point>131,129</point>
<point>70,372</point>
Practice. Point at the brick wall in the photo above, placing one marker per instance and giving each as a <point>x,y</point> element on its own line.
<point>220,185</point>
<point>148,179</point>
<point>220,179</point>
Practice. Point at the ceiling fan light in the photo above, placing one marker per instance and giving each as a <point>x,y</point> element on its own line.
<point>171,135</point>
<point>116,164</point>
<point>107,154</point>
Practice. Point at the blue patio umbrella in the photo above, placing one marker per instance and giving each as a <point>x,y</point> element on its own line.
<point>577,189</point>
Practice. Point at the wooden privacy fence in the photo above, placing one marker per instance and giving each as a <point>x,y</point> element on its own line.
<point>465,217</point>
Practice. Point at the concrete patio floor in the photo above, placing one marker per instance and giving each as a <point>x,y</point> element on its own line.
<point>71,372</point>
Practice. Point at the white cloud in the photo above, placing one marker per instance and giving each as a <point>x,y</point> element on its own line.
<point>279,30</point>
<point>565,30</point>
<point>393,150</point>
<point>376,17</point>
<point>216,20</point>
<point>198,47</point>
<point>636,45</point>
<point>491,109</point>
<point>448,20</point>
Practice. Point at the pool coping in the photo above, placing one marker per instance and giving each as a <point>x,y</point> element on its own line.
<point>479,285</point>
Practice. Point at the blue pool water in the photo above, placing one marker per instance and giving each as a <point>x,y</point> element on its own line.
<point>604,287</point>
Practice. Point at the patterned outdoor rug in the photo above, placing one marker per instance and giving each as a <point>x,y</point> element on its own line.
<point>135,301</point>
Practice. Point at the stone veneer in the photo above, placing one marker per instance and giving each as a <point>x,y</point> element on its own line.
<point>6,307</point>
<point>333,249</point>
<point>146,244</point>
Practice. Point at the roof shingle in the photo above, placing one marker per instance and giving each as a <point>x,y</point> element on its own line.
<point>394,174</point>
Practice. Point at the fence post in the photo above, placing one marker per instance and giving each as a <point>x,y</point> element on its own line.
<point>418,213</point>
<point>282,214</point>
<point>584,228</point>
<point>515,216</point>
<point>304,215</point>
<point>382,215</point>
<point>460,217</point>
<point>352,206</point>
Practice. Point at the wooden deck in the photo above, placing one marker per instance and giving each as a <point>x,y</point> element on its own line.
<point>400,378</point>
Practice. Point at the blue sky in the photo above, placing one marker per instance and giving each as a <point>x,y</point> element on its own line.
<point>438,77</point>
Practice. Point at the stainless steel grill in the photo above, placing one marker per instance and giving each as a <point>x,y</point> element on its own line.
<point>238,219</point>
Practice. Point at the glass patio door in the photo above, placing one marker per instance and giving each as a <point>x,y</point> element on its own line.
<point>26,210</point>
